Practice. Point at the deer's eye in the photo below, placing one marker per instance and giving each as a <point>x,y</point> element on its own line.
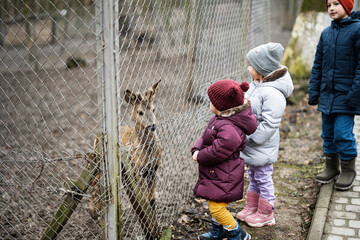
<point>153,109</point>
<point>141,113</point>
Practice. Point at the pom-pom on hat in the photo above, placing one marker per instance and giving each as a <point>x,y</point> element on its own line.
<point>226,94</point>
<point>347,5</point>
<point>265,58</point>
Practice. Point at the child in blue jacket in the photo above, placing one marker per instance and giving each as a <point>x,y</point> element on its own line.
<point>335,87</point>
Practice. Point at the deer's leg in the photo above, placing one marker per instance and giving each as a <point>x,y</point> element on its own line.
<point>95,204</point>
<point>152,184</point>
<point>141,181</point>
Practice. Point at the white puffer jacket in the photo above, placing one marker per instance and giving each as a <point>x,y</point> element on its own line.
<point>268,102</point>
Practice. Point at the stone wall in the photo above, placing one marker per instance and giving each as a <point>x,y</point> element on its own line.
<point>300,53</point>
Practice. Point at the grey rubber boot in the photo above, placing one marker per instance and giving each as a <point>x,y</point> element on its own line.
<point>347,176</point>
<point>332,168</point>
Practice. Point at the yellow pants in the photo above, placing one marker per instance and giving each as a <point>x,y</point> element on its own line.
<point>222,215</point>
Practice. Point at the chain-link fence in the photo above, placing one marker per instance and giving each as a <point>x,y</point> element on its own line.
<point>83,154</point>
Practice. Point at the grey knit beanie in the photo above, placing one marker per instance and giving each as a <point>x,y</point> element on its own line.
<point>265,58</point>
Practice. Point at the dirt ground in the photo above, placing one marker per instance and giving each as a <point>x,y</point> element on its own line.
<point>294,178</point>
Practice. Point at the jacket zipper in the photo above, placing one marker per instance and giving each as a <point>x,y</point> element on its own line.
<point>332,79</point>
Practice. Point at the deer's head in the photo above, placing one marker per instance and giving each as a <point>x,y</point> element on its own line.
<point>143,108</point>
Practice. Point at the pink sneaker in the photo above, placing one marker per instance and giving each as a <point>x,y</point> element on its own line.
<point>251,205</point>
<point>264,215</point>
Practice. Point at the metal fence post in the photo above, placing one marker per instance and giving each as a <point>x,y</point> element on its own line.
<point>111,230</point>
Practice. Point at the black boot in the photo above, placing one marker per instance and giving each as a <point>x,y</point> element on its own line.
<point>217,232</point>
<point>347,176</point>
<point>332,168</point>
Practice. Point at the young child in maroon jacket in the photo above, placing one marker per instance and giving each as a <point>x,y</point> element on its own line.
<point>217,152</point>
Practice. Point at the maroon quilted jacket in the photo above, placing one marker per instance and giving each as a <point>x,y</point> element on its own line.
<point>221,170</point>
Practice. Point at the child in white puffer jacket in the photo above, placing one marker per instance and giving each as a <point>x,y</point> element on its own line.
<point>268,91</point>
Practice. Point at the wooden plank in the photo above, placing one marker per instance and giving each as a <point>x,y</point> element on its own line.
<point>72,199</point>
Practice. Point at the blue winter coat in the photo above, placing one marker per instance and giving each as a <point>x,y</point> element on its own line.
<point>221,170</point>
<point>335,77</point>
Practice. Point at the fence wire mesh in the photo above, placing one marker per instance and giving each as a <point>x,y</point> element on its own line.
<point>100,104</point>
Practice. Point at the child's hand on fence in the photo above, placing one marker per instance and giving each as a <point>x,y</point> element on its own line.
<point>195,155</point>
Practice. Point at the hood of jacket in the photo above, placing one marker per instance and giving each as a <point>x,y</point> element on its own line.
<point>355,15</point>
<point>281,80</point>
<point>240,116</point>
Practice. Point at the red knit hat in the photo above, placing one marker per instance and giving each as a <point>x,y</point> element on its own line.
<point>347,5</point>
<point>225,94</point>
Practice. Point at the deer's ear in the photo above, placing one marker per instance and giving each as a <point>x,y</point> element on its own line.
<point>155,85</point>
<point>150,93</point>
<point>139,96</point>
<point>130,97</point>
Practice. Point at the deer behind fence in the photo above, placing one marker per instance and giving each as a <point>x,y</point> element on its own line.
<point>143,146</point>
<point>145,153</point>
